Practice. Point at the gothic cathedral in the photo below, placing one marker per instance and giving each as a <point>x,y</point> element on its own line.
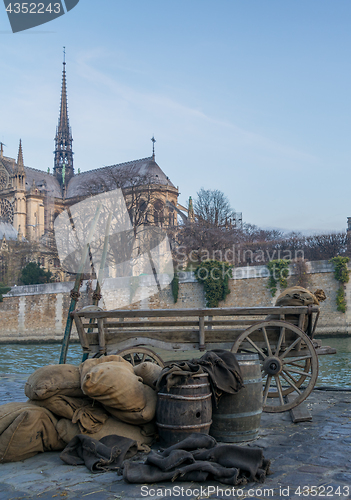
<point>30,199</point>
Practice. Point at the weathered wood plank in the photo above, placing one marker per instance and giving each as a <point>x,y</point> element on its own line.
<point>325,350</point>
<point>175,323</point>
<point>101,335</point>
<point>229,311</point>
<point>83,338</point>
<point>202,333</point>
<point>300,413</point>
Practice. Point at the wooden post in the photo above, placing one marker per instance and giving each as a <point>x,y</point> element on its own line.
<point>202,333</point>
<point>75,291</point>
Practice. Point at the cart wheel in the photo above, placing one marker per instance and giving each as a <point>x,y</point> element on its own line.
<point>288,359</point>
<point>137,355</point>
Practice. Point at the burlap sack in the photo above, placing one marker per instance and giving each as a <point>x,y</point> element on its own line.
<point>143,435</point>
<point>149,372</point>
<point>50,380</point>
<point>320,295</point>
<point>114,384</point>
<point>296,296</point>
<point>25,430</point>
<point>86,412</point>
<point>138,417</point>
<point>85,367</point>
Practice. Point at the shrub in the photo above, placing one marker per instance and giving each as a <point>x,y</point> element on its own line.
<point>214,275</point>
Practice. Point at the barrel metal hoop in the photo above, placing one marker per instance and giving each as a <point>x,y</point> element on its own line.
<point>252,380</point>
<point>184,427</point>
<point>253,433</point>
<point>236,415</point>
<point>195,386</point>
<point>249,363</point>
<point>188,398</point>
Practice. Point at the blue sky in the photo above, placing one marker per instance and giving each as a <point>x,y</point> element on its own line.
<point>249,97</point>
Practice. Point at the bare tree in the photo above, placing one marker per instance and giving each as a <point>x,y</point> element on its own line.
<point>146,208</point>
<point>141,193</point>
<point>212,208</point>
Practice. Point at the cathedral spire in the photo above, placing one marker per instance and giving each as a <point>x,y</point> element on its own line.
<point>63,139</point>
<point>19,173</point>
<point>63,120</point>
<point>20,164</point>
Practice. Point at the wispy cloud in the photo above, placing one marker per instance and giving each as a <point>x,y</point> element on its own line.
<point>164,105</point>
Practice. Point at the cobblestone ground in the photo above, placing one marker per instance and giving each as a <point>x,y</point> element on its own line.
<point>309,460</point>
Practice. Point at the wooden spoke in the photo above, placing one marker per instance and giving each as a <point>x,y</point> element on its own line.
<point>295,360</point>
<point>256,348</point>
<point>279,387</point>
<point>287,365</point>
<point>290,348</point>
<point>305,374</point>
<point>269,350</point>
<point>137,355</point>
<point>281,336</point>
<point>266,389</point>
<point>296,382</point>
<point>290,382</point>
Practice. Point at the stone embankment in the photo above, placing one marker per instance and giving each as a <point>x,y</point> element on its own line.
<point>39,312</point>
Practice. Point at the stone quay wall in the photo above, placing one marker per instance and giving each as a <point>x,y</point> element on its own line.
<point>39,312</point>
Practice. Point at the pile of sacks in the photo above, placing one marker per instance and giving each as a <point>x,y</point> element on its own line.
<point>101,397</point>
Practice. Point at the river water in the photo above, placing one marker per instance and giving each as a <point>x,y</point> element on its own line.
<point>334,370</point>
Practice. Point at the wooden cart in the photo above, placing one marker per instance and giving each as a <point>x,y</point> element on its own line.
<point>281,336</point>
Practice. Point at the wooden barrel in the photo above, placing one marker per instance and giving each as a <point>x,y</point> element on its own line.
<point>185,409</point>
<point>238,416</point>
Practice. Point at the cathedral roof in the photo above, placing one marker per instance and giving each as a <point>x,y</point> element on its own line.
<point>43,182</point>
<point>145,168</point>
<point>8,163</point>
<point>7,230</point>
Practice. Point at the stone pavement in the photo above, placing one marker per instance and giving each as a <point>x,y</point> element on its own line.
<point>309,460</point>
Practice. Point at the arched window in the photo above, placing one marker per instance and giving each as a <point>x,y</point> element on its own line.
<point>171,218</point>
<point>158,213</point>
<point>142,206</point>
<point>142,211</point>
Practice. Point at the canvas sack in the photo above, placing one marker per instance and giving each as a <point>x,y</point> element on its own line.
<point>143,435</point>
<point>86,412</point>
<point>296,296</point>
<point>88,364</point>
<point>114,384</point>
<point>138,417</point>
<point>25,430</point>
<point>50,380</point>
<point>149,372</point>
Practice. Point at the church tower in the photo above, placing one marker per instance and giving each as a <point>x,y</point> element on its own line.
<point>63,161</point>
<point>20,213</point>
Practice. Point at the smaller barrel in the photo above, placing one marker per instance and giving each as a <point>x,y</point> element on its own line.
<point>237,418</point>
<point>185,409</point>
